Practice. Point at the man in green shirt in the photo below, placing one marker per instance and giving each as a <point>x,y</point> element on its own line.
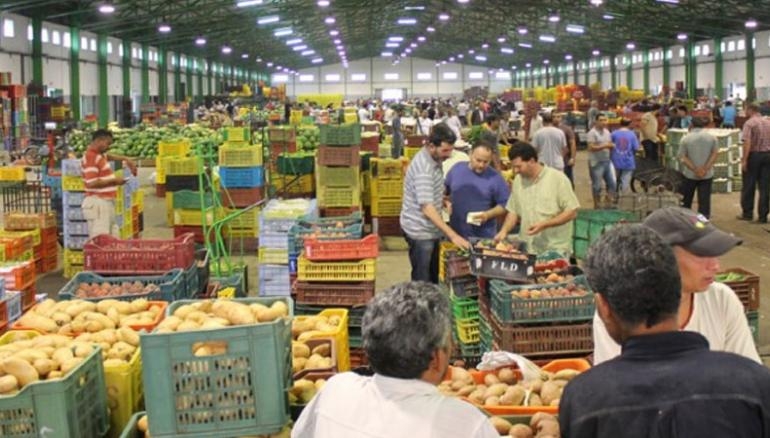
<point>542,200</point>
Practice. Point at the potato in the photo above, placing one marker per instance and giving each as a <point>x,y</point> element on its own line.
<point>171,322</point>
<point>548,427</point>
<point>62,355</point>
<point>492,401</point>
<point>506,375</point>
<point>550,391</point>
<point>70,364</point>
<point>280,308</point>
<point>299,349</point>
<point>565,374</point>
<point>500,424</point>
<point>213,323</point>
<point>514,396</point>
<point>30,355</point>
<point>55,374</point>
<point>114,362</point>
<point>495,390</point>
<point>61,318</point>
<point>45,307</point>
<point>299,326</point>
<point>461,374</point>
<point>82,349</point>
<point>298,364</point>
<point>123,307</point>
<point>39,323</point>
<point>491,379</point>
<point>183,310</point>
<point>269,315</point>
<point>534,422</point>
<point>22,370</point>
<point>128,335</point>
<point>520,431</point>
<point>322,350</point>
<point>187,326</point>
<point>114,315</point>
<point>139,305</point>
<point>197,316</point>
<point>8,384</point>
<point>142,424</point>
<point>466,390</point>
<point>44,366</point>
<point>105,305</point>
<point>534,400</point>
<point>477,396</point>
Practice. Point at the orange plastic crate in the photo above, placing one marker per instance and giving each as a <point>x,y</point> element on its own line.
<point>328,250</point>
<point>11,248</point>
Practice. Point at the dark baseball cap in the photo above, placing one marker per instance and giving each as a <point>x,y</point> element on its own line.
<point>692,231</point>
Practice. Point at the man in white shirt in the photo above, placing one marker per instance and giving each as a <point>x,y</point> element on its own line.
<point>363,114</point>
<point>462,112</point>
<point>407,337</point>
<point>550,143</point>
<point>709,308</point>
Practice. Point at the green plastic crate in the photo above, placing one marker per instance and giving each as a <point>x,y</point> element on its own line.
<point>241,392</point>
<point>296,163</point>
<point>338,176</point>
<point>131,431</point>
<point>590,224</point>
<point>72,407</point>
<point>191,200</point>
<point>510,309</point>
<point>465,308</point>
<point>366,157</point>
<point>340,135</point>
<point>236,134</point>
<point>753,318</point>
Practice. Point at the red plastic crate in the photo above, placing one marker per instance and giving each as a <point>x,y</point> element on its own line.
<point>107,255</point>
<point>358,358</point>
<point>338,211</point>
<point>370,144</point>
<point>331,294</point>
<point>249,244</point>
<point>18,276</point>
<point>237,198</point>
<point>49,235</point>
<point>416,140</point>
<point>197,232</point>
<point>387,226</point>
<point>339,156</point>
<point>160,190</point>
<point>329,250</point>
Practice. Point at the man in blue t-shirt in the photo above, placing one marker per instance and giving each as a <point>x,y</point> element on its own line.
<point>474,187</point>
<point>728,115</point>
<point>622,155</point>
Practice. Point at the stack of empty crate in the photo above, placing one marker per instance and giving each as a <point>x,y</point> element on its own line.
<point>387,191</point>
<point>188,195</point>
<point>338,171</point>
<point>283,141</point>
<point>727,168</point>
<point>168,150</point>
<point>463,289</point>
<point>44,241</point>
<point>275,222</point>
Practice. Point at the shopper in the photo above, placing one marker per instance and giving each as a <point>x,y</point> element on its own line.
<point>685,120</point>
<point>477,194</point>
<point>101,185</point>
<point>728,116</point>
<point>666,383</point>
<point>698,152</point>
<point>407,333</point>
<point>707,307</point>
<point>755,163</point>
<point>398,134</point>
<point>648,128</point>
<point>462,112</point>
<point>454,122</point>
<point>490,133</point>
<point>623,155</point>
<point>478,115</point>
<point>599,163</point>
<point>593,112</point>
<point>422,203</point>
<point>550,144</point>
<point>542,201</point>
<point>571,152</point>
<point>424,123</point>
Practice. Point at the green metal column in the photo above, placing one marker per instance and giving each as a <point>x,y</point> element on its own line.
<point>630,73</point>
<point>646,72</point>
<point>689,69</point>
<point>547,76</point>
<point>162,76</point>
<point>209,77</point>
<point>199,75</point>
<point>177,78</point>
<point>145,73</point>
<point>37,51</point>
<point>189,78</point>
<point>75,72</point>
<point>587,73</point>
<point>613,73</point>
<point>666,69</point>
<point>751,92</point>
<point>599,71</point>
<point>104,98</point>
<point>719,85</point>
<point>126,70</point>
<point>575,72</point>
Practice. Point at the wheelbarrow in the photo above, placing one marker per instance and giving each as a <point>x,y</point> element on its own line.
<point>650,175</point>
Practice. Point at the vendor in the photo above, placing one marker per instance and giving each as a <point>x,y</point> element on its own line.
<point>478,190</point>
<point>543,201</point>
<point>101,185</point>
<point>707,307</point>
<point>407,333</point>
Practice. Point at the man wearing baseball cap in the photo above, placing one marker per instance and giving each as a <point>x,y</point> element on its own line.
<point>707,307</point>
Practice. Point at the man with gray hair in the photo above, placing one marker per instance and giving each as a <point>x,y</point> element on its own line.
<point>666,382</point>
<point>407,337</point>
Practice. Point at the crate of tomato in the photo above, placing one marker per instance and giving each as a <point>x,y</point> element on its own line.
<point>504,260</point>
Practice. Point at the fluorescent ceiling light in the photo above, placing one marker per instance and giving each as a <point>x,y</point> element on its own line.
<point>407,21</point>
<point>451,59</point>
<point>308,53</point>
<point>293,41</point>
<point>269,19</point>
<point>443,62</point>
<point>608,17</point>
<point>164,28</point>
<point>751,24</point>
<point>501,39</point>
<point>528,65</point>
<point>330,20</point>
<point>630,46</point>
<point>408,50</point>
<point>681,36</point>
<point>413,45</point>
<point>461,56</point>
<point>443,17</point>
<point>481,58</point>
<point>547,38</point>
<point>337,41</point>
<point>340,47</point>
<point>514,67</point>
<point>485,46</point>
<point>554,18</point>
<point>525,45</point>
<point>597,2</point>
<point>391,45</point>
<point>317,60</point>
<point>574,28</point>
<point>568,57</point>
<point>546,62</point>
<point>247,3</point>
<point>106,8</point>
<point>463,1</point>
<point>245,56</point>
<point>506,50</point>
<point>200,41</point>
<point>522,31</point>
<point>420,38</point>
<point>300,47</point>
<point>386,54</point>
<point>595,52</point>
<point>397,39</point>
<point>269,64</point>
<point>671,2</point>
<point>334,32</point>
<point>414,8</point>
<point>471,51</point>
<point>323,3</point>
<point>283,32</point>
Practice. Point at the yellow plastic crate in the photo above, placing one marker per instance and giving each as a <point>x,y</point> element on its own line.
<point>302,184</point>
<point>121,195</point>
<point>363,270</point>
<point>34,235</point>
<point>138,199</point>
<point>73,257</point>
<point>12,173</point>
<point>443,248</point>
<point>181,166</point>
<point>366,188</point>
<point>340,336</point>
<point>389,189</point>
<point>248,220</point>
<point>160,170</point>
<point>410,152</point>
<point>468,331</point>
<point>386,207</point>
<point>339,196</point>
<point>239,233</point>
<point>71,270</point>
<point>234,155</point>
<point>126,231</point>
<point>73,183</point>
<point>124,392</point>
<point>178,148</point>
<point>271,256</point>
<point>193,217</point>
<point>504,151</point>
<point>170,209</point>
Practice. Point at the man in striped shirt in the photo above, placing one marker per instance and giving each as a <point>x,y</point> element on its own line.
<point>101,186</point>
<point>423,199</point>
<point>756,165</point>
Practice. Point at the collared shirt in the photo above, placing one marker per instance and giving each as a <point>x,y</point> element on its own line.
<point>757,130</point>
<point>353,406</point>
<point>668,385</point>
<point>96,168</point>
<point>598,137</point>
<point>717,314</point>
<point>698,146</point>
<point>424,184</point>
<point>554,195</point>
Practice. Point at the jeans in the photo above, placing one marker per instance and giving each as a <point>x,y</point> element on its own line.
<point>687,189</point>
<point>757,174</point>
<point>624,179</point>
<point>602,171</point>
<point>650,150</point>
<point>423,256</point>
<point>569,173</point>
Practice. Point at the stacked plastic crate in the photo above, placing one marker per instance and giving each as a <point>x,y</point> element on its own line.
<point>727,169</point>
<point>338,170</point>
<point>20,132</point>
<point>745,284</point>
<point>167,151</point>
<point>44,242</point>
<point>387,191</point>
<point>283,141</point>
<point>19,277</point>
<point>242,185</point>
<point>276,268</point>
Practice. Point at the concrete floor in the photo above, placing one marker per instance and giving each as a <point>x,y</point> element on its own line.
<point>393,266</point>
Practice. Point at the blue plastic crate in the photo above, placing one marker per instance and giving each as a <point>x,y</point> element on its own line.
<point>171,284</point>
<point>71,167</point>
<point>274,240</point>
<point>274,280</point>
<point>73,199</point>
<point>190,279</point>
<point>75,228</point>
<point>293,264</point>
<point>75,242</point>
<point>242,177</point>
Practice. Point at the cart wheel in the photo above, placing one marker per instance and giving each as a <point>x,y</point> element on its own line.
<point>638,186</point>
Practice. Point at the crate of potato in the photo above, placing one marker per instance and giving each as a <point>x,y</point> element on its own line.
<point>329,323</point>
<point>93,287</point>
<point>219,368</point>
<point>51,385</point>
<point>524,304</point>
<point>538,425</point>
<point>106,254</point>
<point>504,391</point>
<point>313,356</point>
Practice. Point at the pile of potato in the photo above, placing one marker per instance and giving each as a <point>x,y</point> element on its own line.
<point>304,328</point>
<point>99,290</point>
<point>541,425</point>
<point>304,390</point>
<point>143,427</point>
<point>78,316</point>
<point>503,389</point>
<point>305,358</point>
<point>214,314</point>
<point>570,290</point>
